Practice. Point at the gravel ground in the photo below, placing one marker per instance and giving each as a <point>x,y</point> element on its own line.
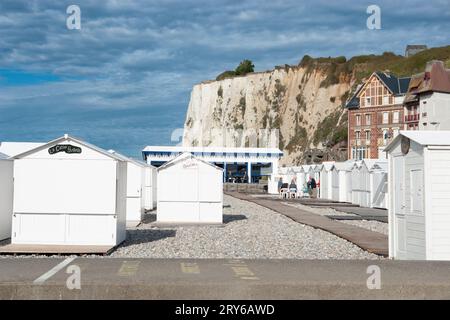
<point>249,232</point>
<point>376,226</point>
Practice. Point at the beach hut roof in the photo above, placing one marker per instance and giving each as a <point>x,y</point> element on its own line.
<point>368,163</point>
<point>183,157</point>
<point>356,164</point>
<point>68,138</point>
<point>383,166</point>
<point>290,170</point>
<point>344,166</point>
<point>139,163</point>
<point>3,156</point>
<point>14,148</point>
<point>425,138</point>
<point>306,167</point>
<point>327,166</point>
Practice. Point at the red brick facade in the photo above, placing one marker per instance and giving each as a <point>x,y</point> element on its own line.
<point>375,122</point>
<point>377,129</point>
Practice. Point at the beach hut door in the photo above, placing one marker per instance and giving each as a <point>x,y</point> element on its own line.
<point>399,207</point>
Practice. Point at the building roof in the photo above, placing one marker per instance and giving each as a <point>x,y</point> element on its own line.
<point>66,137</point>
<point>416,46</point>
<point>436,78</point>
<point>183,157</point>
<point>422,137</point>
<point>353,103</point>
<point>14,148</point>
<point>397,86</point>
<point>181,149</point>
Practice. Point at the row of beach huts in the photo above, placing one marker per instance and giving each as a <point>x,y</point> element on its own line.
<point>362,182</point>
<point>68,192</point>
<point>413,183</point>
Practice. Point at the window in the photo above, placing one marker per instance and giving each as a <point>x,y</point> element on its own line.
<point>359,153</point>
<point>396,117</point>
<point>368,101</point>
<point>357,135</point>
<point>368,135</point>
<point>385,117</point>
<point>358,119</point>
<point>368,119</point>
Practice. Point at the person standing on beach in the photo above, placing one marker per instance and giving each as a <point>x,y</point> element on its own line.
<point>313,185</point>
<point>280,184</point>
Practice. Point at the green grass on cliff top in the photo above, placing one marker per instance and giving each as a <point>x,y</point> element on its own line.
<point>362,66</point>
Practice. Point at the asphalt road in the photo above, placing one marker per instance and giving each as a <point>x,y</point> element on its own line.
<point>110,278</point>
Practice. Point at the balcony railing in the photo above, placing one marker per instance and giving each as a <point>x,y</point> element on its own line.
<point>412,117</point>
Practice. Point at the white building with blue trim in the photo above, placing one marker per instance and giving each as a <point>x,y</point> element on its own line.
<point>245,165</point>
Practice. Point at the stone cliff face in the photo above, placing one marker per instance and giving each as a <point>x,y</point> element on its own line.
<point>294,100</point>
<point>304,102</point>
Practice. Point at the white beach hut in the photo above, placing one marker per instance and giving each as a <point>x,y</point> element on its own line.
<point>312,172</point>
<point>365,185</point>
<point>6,196</point>
<point>317,171</point>
<point>341,181</point>
<point>272,186</point>
<point>69,192</point>
<point>140,185</point>
<point>283,172</point>
<point>306,171</point>
<point>301,178</point>
<point>355,183</point>
<point>150,187</point>
<point>326,180</point>
<point>190,190</point>
<point>419,188</point>
<point>378,173</point>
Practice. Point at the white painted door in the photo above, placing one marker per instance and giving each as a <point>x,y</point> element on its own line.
<point>399,207</point>
<point>416,195</point>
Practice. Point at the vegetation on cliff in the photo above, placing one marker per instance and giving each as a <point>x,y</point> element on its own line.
<point>246,66</point>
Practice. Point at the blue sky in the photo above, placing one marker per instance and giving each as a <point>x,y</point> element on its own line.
<point>123,81</point>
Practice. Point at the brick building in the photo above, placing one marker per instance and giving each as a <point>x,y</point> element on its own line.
<point>375,115</point>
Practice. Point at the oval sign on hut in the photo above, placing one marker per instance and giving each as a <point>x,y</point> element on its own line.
<point>405,145</point>
<point>67,148</point>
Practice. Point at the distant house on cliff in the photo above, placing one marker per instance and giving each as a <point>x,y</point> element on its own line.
<point>412,49</point>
